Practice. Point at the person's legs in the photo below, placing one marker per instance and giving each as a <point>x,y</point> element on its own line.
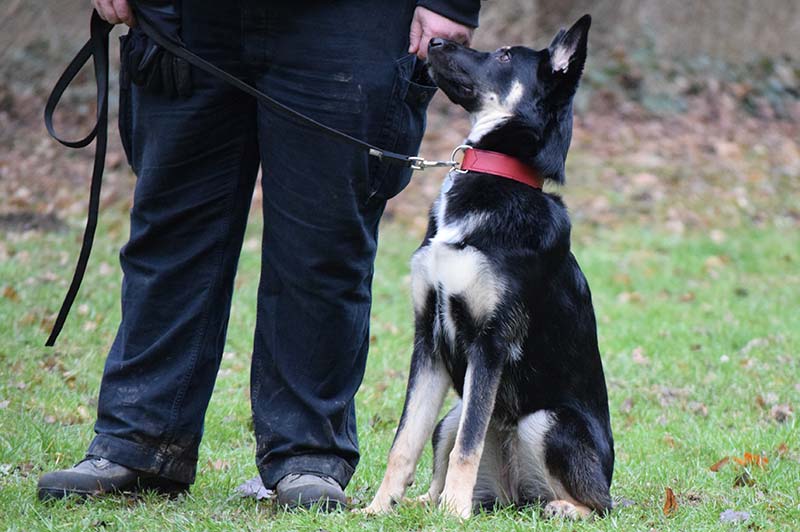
<point>196,160</point>
<point>344,64</point>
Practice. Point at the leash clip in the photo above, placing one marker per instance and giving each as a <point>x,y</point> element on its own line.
<point>420,163</point>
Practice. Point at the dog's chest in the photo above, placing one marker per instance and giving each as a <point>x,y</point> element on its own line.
<point>456,272</point>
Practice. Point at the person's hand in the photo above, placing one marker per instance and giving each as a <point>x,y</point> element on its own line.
<point>115,11</point>
<point>427,25</point>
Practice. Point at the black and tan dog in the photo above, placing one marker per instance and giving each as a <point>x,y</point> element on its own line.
<point>503,312</point>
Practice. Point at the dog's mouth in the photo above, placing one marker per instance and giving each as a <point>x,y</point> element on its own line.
<point>454,82</point>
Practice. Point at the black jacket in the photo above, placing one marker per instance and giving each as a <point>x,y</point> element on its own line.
<point>463,11</point>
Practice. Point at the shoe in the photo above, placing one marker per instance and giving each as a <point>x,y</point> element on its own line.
<point>97,476</point>
<point>307,490</point>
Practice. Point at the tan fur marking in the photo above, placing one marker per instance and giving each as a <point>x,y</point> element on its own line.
<point>462,472</point>
<point>424,402</point>
<point>567,510</point>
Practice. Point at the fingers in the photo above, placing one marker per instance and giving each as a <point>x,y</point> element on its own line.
<point>414,35</point>
<point>124,12</point>
<point>427,24</point>
<point>106,11</point>
<point>115,11</point>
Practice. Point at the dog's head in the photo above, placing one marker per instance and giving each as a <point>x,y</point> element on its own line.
<point>519,99</point>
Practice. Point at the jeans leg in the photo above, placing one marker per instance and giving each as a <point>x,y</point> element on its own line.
<point>196,160</point>
<point>336,62</point>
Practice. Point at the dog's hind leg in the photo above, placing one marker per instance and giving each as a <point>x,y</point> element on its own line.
<point>480,390</point>
<point>580,454</point>
<point>428,382</point>
<point>564,461</point>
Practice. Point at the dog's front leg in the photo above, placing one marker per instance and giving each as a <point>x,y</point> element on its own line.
<point>428,382</point>
<point>480,390</point>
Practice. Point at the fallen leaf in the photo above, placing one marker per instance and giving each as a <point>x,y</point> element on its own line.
<point>219,465</point>
<point>627,406</point>
<point>83,414</point>
<point>624,502</point>
<point>754,459</point>
<point>782,449</point>
<point>10,293</point>
<point>255,489</point>
<point>732,516</point>
<point>698,408</point>
<point>716,467</point>
<point>717,236</point>
<point>767,400</point>
<point>781,413</point>
<point>755,343</point>
<point>638,356</point>
<point>630,297</point>
<point>105,269</point>
<point>714,262</point>
<point>670,502</point>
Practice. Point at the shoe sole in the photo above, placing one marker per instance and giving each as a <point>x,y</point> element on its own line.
<point>324,505</point>
<point>159,486</point>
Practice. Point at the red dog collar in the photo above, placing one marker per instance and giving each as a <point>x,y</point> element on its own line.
<point>495,163</point>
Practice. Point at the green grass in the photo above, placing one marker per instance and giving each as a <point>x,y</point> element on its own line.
<point>700,340</point>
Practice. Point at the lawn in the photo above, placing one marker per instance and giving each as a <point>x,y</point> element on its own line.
<point>699,327</point>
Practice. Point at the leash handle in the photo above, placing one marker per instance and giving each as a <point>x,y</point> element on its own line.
<point>96,49</point>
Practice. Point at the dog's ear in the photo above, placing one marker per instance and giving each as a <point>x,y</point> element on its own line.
<point>568,50</point>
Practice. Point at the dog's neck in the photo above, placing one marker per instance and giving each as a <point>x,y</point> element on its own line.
<point>510,137</point>
<point>519,139</point>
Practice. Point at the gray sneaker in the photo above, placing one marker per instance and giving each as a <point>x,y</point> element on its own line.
<point>98,476</point>
<point>307,489</point>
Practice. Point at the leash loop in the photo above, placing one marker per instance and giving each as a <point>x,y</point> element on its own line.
<point>96,49</point>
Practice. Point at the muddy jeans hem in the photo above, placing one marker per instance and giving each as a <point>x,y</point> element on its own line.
<point>166,464</point>
<point>332,466</point>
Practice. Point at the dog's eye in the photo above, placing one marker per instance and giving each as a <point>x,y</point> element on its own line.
<point>504,56</point>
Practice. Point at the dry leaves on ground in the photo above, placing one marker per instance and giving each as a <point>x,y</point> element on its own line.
<point>670,502</point>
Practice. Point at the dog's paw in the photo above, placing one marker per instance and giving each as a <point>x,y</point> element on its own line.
<point>566,510</point>
<point>426,499</point>
<point>379,505</point>
<point>457,506</point>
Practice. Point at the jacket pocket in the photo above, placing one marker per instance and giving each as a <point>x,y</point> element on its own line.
<point>403,126</point>
<point>125,116</point>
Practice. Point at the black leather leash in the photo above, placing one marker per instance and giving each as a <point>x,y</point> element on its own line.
<point>97,49</point>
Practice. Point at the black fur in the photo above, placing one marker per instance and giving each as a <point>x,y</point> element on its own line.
<point>525,236</point>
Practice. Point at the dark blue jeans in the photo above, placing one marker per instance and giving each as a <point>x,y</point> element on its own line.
<point>343,63</point>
